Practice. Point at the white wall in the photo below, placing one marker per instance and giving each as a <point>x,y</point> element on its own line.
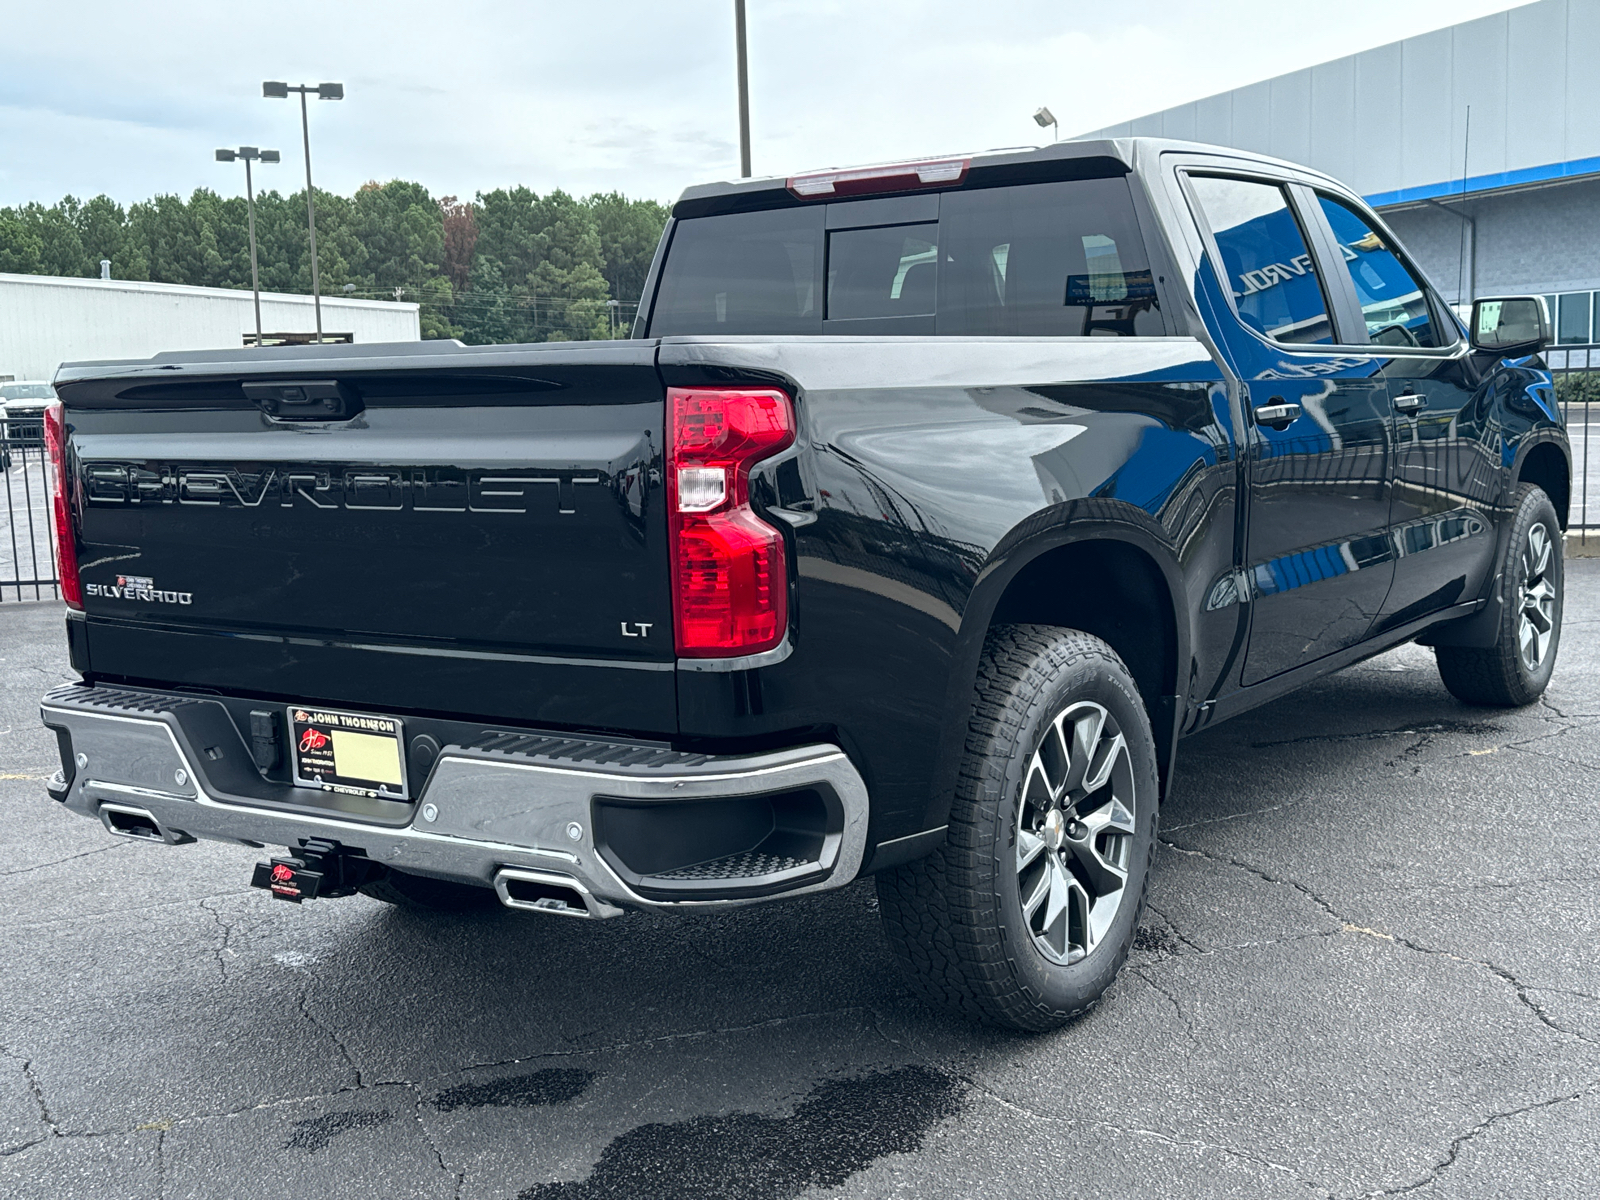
<point>1394,117</point>
<point>45,320</point>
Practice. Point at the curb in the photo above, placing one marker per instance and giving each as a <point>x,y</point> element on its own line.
<point>1581,547</point>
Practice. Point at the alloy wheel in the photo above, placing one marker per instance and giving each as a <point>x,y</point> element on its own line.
<point>1537,620</point>
<point>1075,830</point>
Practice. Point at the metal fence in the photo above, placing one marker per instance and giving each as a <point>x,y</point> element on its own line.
<point>27,565</point>
<point>1577,373</point>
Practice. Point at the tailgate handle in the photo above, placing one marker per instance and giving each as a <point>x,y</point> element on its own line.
<point>305,399</point>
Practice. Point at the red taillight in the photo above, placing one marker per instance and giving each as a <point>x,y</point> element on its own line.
<point>890,177</point>
<point>730,578</point>
<point>55,437</point>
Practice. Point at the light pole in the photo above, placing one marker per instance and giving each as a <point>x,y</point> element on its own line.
<point>744,90</point>
<point>250,154</point>
<point>1046,119</point>
<point>273,90</point>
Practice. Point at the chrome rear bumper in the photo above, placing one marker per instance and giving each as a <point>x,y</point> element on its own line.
<point>501,804</point>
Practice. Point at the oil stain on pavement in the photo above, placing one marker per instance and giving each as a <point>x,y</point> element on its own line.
<point>842,1127</point>
<point>314,1134</point>
<point>558,1085</point>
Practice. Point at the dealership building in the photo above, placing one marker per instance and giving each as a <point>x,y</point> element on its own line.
<point>1479,144</point>
<point>46,320</point>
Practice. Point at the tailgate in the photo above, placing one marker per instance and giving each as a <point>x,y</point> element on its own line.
<point>485,529</point>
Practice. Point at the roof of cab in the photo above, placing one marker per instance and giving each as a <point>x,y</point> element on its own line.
<point>1062,160</point>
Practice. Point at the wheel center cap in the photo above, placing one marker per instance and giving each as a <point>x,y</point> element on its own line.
<point>1055,829</point>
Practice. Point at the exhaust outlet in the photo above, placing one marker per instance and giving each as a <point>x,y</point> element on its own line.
<point>123,820</point>
<point>547,892</point>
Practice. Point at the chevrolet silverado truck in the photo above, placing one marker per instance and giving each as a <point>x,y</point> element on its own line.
<point>927,509</point>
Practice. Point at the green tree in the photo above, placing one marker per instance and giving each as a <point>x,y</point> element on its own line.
<point>512,266</point>
<point>21,247</point>
<point>102,228</point>
<point>629,231</point>
<point>487,311</point>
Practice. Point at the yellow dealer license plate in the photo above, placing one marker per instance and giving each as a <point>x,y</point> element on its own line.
<point>348,752</point>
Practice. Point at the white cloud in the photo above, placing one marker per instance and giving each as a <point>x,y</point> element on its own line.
<point>132,99</point>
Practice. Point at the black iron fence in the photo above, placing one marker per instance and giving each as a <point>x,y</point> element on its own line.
<point>27,564</point>
<point>1577,374</point>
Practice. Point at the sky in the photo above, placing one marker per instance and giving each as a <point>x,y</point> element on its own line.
<point>131,98</point>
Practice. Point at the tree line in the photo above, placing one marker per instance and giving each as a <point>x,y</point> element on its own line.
<point>508,266</point>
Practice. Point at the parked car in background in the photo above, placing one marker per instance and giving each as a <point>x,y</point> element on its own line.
<point>22,405</point>
<point>929,508</point>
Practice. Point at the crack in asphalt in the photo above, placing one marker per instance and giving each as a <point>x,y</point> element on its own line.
<point>332,1035</point>
<point>460,1177</point>
<point>1254,812</point>
<point>1481,1127</point>
<point>1177,1005</point>
<point>69,858</point>
<point>416,1086</point>
<point>1485,885</point>
<point>100,915</point>
<point>1524,748</point>
<point>1348,926</point>
<point>227,936</point>
<point>38,1095</point>
<point>1375,735</point>
<point>1231,1151</point>
<point>1034,1114</point>
<point>773,1023</point>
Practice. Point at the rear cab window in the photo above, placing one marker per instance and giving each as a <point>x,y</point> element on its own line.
<point>1058,259</point>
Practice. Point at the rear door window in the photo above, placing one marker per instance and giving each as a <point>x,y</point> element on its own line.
<point>1061,259</point>
<point>1264,258</point>
<point>1394,302</point>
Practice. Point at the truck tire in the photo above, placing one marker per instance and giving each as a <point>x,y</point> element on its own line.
<point>1022,918</point>
<point>1516,669</point>
<point>422,893</point>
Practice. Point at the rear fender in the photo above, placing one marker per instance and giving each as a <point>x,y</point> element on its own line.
<point>1075,522</point>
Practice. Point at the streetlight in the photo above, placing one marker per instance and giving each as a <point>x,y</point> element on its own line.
<point>273,90</point>
<point>250,154</point>
<point>1046,119</point>
<point>744,89</point>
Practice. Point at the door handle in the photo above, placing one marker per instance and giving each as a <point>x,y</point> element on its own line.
<point>1278,415</point>
<point>1409,402</point>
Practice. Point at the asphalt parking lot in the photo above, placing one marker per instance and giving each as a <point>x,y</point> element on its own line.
<point>1368,968</point>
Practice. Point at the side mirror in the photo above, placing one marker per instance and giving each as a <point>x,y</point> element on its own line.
<point>1510,326</point>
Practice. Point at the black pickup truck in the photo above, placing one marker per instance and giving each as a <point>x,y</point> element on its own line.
<point>927,509</point>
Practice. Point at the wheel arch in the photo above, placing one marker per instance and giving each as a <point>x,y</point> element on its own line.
<point>1030,578</point>
<point>1546,462</point>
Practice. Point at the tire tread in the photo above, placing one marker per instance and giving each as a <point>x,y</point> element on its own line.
<point>941,912</point>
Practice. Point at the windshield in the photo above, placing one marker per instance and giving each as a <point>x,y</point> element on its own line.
<point>1061,259</point>
<point>26,391</point>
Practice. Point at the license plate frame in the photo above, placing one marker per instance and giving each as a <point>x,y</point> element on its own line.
<point>319,737</point>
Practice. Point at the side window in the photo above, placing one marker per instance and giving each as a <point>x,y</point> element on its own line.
<point>1393,301</point>
<point>1264,258</point>
<point>743,273</point>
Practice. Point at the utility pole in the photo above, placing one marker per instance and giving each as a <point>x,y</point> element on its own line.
<point>250,154</point>
<point>325,91</point>
<point>744,91</point>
